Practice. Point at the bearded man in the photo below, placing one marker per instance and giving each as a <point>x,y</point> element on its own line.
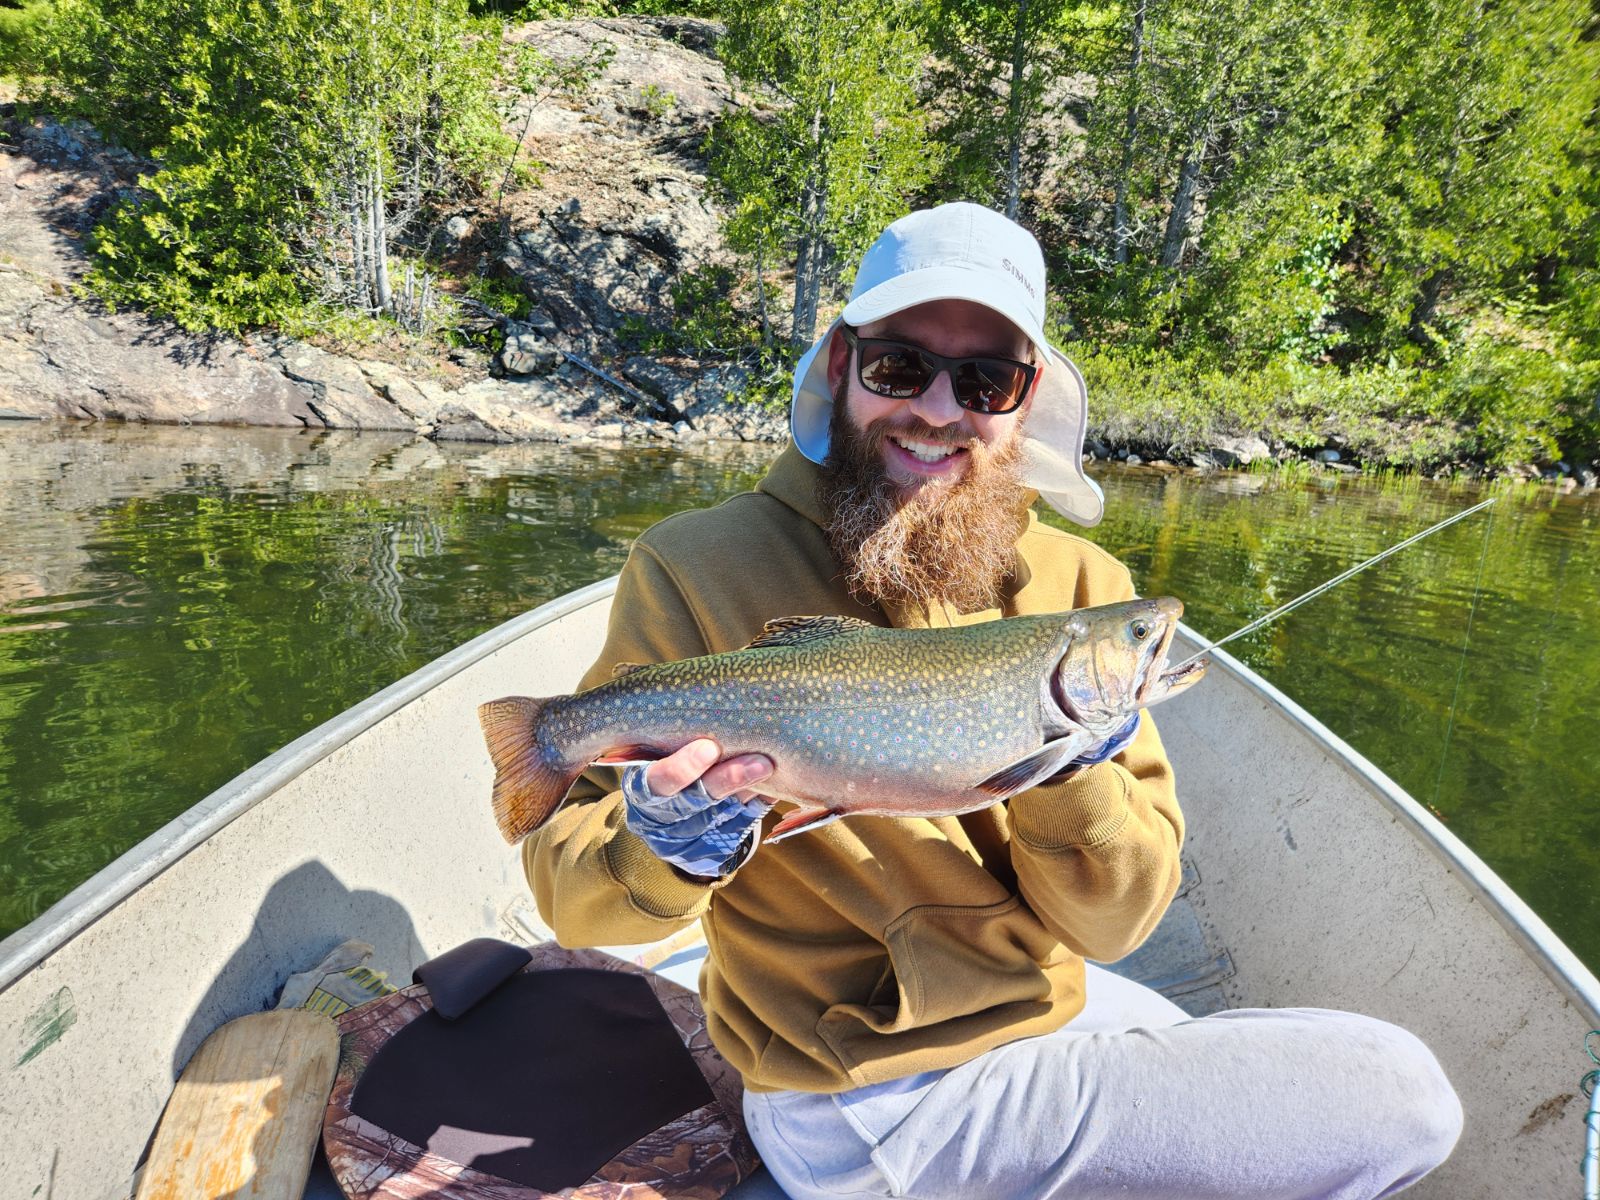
<point>908,999</point>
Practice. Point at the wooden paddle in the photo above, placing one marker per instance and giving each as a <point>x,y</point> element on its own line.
<point>244,1116</point>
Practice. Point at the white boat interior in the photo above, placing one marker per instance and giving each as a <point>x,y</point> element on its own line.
<point>1310,879</point>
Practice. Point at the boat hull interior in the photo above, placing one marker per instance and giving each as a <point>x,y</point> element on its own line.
<point>1310,880</point>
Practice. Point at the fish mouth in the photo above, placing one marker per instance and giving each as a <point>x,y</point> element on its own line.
<point>1174,681</point>
<point>1122,667</point>
<point>1158,654</point>
<point>1160,684</point>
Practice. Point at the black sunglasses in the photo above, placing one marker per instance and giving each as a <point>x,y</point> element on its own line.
<point>992,386</point>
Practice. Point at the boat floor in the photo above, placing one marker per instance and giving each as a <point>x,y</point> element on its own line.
<point>1180,960</point>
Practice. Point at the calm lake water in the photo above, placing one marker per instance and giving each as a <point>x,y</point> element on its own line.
<point>175,604</point>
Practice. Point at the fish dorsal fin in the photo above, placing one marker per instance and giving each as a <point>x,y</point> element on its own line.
<point>797,631</point>
<point>621,669</point>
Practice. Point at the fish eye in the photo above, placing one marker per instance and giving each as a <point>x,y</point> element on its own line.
<point>1140,630</point>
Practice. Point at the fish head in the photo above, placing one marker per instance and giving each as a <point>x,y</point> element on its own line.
<point>1115,661</point>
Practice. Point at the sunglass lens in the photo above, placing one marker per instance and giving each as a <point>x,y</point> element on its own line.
<point>897,371</point>
<point>989,385</point>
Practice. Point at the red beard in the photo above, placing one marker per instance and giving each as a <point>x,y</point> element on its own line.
<point>946,541</point>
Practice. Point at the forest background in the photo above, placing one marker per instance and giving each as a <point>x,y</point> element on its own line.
<point>1370,225</point>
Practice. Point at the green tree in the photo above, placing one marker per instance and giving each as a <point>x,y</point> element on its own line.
<point>296,142</point>
<point>17,19</point>
<point>1209,164</point>
<point>1482,168</point>
<point>831,143</point>
<point>997,85</point>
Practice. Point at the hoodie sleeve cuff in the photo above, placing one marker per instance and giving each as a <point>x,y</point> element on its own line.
<point>655,887</point>
<point>1086,809</point>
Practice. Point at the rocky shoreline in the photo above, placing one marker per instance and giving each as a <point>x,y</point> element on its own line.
<point>1234,453</point>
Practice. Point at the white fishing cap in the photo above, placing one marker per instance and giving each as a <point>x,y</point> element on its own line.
<point>965,252</point>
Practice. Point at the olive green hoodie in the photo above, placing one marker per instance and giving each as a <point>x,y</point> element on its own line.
<point>874,947</point>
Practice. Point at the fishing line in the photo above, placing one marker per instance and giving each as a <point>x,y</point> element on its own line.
<point>1334,582</point>
<point>1461,667</point>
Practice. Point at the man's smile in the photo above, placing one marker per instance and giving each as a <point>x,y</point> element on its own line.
<point>924,457</point>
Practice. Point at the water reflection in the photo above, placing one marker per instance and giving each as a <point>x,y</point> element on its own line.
<point>175,604</point>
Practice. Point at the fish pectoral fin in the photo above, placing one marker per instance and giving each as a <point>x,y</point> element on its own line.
<point>623,756</point>
<point>797,631</point>
<point>800,820</point>
<point>1036,765</point>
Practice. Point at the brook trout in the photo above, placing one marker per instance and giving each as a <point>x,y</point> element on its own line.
<point>857,719</point>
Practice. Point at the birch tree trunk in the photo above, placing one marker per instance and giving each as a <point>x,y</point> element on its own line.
<point>813,216</point>
<point>1119,213</point>
<point>1183,200</point>
<point>1014,117</point>
<point>805,317</point>
<point>382,291</point>
<point>369,244</point>
<point>1426,307</point>
<point>358,241</point>
<point>761,298</point>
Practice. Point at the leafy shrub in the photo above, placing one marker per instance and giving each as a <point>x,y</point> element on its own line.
<point>706,318</point>
<point>188,247</point>
<point>1494,402</point>
<point>18,22</point>
<point>656,102</point>
<point>1521,403</point>
<point>499,295</point>
<point>1151,397</point>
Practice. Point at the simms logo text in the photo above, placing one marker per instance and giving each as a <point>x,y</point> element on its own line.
<point>1021,278</point>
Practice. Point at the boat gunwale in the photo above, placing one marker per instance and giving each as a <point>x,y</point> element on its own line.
<point>146,860</point>
<point>1525,926</point>
<point>124,876</point>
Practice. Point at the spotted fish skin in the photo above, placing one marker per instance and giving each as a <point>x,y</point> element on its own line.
<point>856,718</point>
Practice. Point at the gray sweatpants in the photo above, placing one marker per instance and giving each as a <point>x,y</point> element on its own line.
<point>1133,1098</point>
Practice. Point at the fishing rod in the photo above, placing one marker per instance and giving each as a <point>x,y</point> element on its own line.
<point>1591,1141</point>
<point>1335,581</point>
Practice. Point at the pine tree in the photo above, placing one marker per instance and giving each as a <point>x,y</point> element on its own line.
<point>997,87</point>
<point>1481,173</point>
<point>830,142</point>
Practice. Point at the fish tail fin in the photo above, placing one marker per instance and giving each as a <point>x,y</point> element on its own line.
<point>528,787</point>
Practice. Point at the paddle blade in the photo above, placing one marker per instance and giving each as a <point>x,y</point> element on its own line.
<point>244,1116</point>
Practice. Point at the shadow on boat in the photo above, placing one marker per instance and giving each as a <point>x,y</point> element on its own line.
<point>306,913</point>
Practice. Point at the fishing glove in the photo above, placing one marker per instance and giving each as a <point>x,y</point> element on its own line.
<point>698,835</point>
<point>1111,747</point>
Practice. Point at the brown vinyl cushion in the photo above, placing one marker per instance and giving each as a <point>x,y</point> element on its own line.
<point>698,1155</point>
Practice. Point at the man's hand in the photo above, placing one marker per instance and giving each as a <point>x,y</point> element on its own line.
<point>699,761</point>
<point>1112,746</point>
<point>695,811</point>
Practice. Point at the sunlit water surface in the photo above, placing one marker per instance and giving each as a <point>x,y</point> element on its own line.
<point>175,604</point>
